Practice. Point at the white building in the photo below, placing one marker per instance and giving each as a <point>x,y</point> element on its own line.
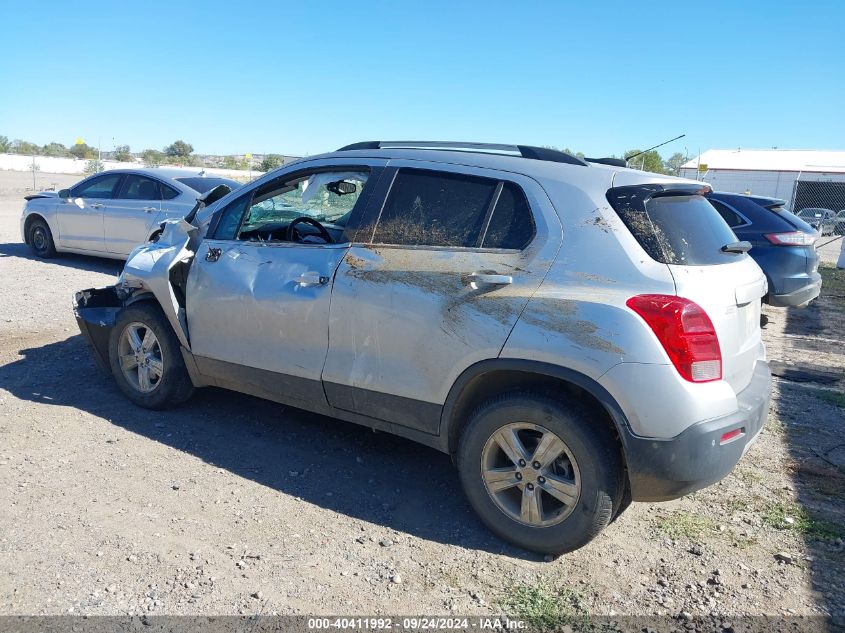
<point>804,178</point>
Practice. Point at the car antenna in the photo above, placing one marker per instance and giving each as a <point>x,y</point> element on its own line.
<point>627,158</point>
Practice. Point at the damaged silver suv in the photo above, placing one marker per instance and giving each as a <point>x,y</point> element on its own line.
<point>575,334</point>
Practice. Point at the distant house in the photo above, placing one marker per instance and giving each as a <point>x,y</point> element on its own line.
<point>804,178</point>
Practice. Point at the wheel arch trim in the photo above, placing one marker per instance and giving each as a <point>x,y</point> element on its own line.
<point>32,216</point>
<point>538,368</point>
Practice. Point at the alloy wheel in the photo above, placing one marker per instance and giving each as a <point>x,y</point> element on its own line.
<point>530,474</point>
<point>139,353</point>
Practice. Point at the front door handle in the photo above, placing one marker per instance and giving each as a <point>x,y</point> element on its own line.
<point>488,279</point>
<point>310,279</point>
<point>213,254</point>
<point>97,205</point>
<point>149,209</point>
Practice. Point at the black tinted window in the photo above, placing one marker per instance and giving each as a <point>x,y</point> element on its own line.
<point>167,192</point>
<point>100,187</point>
<point>512,225</point>
<point>230,219</point>
<point>139,188</point>
<point>728,215</point>
<point>430,208</point>
<point>684,230</point>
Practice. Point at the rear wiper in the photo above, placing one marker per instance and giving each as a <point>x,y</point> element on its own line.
<point>737,247</point>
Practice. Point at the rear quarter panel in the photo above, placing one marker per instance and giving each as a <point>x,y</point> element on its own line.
<point>578,317</point>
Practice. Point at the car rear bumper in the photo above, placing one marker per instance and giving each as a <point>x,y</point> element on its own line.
<point>660,470</point>
<point>800,296</point>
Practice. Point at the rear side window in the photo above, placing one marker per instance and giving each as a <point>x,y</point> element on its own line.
<point>674,229</point>
<point>730,216</point>
<point>167,192</point>
<point>428,208</point>
<point>512,225</point>
<point>139,188</point>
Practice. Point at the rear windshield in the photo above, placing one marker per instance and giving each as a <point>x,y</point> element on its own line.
<point>202,185</point>
<point>684,230</point>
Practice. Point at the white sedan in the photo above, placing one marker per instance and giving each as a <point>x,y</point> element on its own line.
<point>110,213</point>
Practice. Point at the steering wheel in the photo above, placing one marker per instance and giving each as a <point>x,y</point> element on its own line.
<point>291,235</point>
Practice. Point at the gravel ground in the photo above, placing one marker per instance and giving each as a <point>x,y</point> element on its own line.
<point>234,505</point>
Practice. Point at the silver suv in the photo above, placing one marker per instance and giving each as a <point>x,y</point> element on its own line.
<point>575,334</point>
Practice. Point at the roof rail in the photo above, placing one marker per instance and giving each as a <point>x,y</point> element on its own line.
<point>616,162</point>
<point>525,151</point>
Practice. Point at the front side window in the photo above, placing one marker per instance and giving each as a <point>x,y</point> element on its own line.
<point>428,208</point>
<point>230,219</point>
<point>139,188</point>
<point>327,197</point>
<point>325,200</point>
<point>100,187</point>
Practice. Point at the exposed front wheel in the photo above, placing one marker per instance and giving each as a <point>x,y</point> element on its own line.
<point>542,473</point>
<point>41,239</point>
<point>146,360</point>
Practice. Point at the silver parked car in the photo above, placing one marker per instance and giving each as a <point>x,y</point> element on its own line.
<point>839,229</point>
<point>823,220</point>
<point>110,213</point>
<point>575,334</point>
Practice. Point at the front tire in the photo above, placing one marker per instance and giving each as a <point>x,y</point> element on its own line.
<point>541,472</point>
<point>146,360</point>
<point>40,239</point>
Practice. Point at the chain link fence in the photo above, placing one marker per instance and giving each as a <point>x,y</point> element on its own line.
<point>820,201</point>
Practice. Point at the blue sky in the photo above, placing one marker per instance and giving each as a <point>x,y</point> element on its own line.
<point>307,77</point>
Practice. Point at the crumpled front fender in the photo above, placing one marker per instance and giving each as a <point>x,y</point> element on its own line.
<point>149,265</point>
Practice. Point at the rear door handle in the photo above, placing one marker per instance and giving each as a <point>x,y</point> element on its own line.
<point>213,254</point>
<point>310,279</point>
<point>149,209</point>
<point>488,279</point>
<point>97,205</point>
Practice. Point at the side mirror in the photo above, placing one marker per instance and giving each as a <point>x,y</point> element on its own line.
<point>64,193</point>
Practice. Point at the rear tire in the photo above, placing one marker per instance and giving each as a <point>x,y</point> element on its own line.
<point>41,239</point>
<point>146,360</point>
<point>586,478</point>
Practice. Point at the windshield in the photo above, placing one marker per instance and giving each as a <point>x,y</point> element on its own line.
<point>326,197</point>
<point>201,185</point>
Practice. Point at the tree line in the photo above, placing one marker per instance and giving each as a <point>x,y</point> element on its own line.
<point>179,152</point>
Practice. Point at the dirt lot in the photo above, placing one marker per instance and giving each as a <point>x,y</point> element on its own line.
<point>234,505</point>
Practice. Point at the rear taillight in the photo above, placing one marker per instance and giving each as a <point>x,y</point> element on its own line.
<point>792,238</point>
<point>686,333</point>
